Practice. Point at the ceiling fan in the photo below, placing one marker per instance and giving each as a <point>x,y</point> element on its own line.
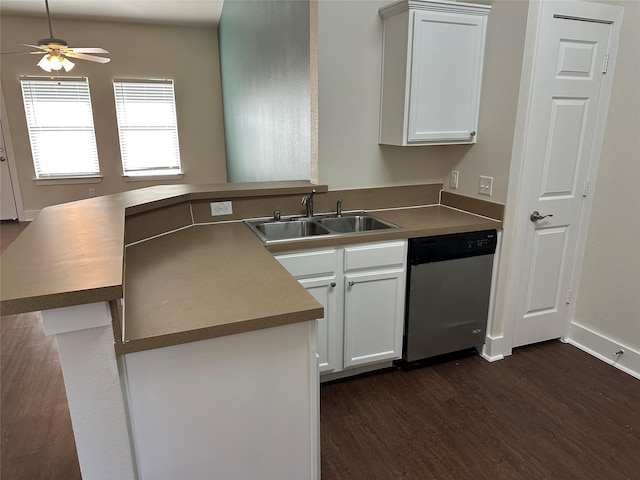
<point>57,51</point>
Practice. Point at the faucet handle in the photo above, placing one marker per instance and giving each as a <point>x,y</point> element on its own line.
<point>276,215</point>
<point>339,208</point>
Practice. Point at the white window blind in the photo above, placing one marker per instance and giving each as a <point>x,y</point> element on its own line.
<point>147,127</point>
<point>60,124</point>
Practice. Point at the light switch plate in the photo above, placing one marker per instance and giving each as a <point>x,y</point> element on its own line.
<point>486,185</point>
<point>221,208</point>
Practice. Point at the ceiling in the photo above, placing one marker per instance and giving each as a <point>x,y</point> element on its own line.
<point>179,12</point>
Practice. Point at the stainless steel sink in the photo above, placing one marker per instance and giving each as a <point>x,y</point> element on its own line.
<point>354,223</point>
<point>292,228</point>
<point>288,229</point>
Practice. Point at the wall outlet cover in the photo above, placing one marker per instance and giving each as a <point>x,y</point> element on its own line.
<point>221,208</point>
<point>453,180</point>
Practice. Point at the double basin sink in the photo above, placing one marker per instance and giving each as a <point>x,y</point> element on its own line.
<point>292,228</point>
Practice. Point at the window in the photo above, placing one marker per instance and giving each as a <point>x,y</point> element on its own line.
<point>60,123</point>
<point>147,127</point>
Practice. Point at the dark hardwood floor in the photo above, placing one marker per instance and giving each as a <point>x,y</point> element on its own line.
<point>36,435</point>
<point>549,411</point>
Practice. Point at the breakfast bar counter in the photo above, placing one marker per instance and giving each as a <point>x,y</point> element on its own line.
<point>186,347</point>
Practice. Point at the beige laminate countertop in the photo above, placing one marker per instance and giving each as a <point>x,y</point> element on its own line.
<point>214,280</point>
<point>72,253</point>
<point>206,281</point>
<point>199,282</point>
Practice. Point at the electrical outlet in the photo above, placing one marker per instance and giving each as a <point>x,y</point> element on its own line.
<point>221,208</point>
<point>92,192</point>
<point>486,185</point>
<point>453,179</point>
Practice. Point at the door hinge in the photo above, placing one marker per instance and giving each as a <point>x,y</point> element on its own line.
<point>605,64</point>
<point>568,300</point>
<point>585,188</point>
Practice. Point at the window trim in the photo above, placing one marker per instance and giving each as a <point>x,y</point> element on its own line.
<point>68,180</point>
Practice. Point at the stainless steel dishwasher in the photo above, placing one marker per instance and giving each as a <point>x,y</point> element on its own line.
<point>448,289</point>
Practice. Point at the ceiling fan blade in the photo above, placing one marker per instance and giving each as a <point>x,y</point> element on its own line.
<point>84,56</point>
<point>88,50</point>
<point>14,53</point>
<point>34,46</point>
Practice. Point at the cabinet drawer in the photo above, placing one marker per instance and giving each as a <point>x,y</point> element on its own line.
<point>313,263</point>
<point>377,255</point>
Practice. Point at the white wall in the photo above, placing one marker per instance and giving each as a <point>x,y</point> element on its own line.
<point>189,55</point>
<point>608,300</point>
<point>350,49</point>
<point>349,59</point>
<point>491,155</point>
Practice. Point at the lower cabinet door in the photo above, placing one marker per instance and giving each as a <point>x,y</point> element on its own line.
<point>373,316</point>
<point>324,291</point>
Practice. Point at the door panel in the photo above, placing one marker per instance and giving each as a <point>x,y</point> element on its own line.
<point>546,268</point>
<point>577,59</point>
<point>323,290</point>
<point>437,67</point>
<point>564,108</point>
<point>566,132</point>
<point>373,317</point>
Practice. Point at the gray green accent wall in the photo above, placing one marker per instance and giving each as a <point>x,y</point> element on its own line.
<point>264,65</point>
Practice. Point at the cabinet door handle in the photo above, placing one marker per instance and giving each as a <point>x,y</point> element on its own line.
<point>332,284</point>
<point>351,283</point>
<point>472,133</point>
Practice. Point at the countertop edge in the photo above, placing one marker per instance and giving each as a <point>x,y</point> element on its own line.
<point>188,336</point>
<point>15,306</point>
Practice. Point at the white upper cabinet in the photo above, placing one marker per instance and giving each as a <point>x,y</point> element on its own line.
<point>431,72</point>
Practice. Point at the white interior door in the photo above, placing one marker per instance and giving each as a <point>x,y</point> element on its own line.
<point>8,210</point>
<point>569,68</point>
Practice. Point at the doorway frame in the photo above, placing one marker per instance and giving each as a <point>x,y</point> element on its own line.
<point>13,166</point>
<point>517,207</point>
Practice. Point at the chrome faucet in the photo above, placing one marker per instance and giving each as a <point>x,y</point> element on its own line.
<point>308,203</point>
<point>339,208</point>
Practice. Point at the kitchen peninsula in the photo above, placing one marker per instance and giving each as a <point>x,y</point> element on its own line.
<point>211,356</point>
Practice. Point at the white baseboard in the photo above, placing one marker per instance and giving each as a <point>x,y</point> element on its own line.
<point>604,349</point>
<point>492,349</point>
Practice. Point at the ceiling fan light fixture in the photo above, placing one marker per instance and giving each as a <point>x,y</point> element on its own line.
<point>67,64</point>
<point>45,64</point>
<point>52,61</point>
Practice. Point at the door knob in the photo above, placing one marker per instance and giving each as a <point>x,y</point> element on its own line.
<point>535,216</point>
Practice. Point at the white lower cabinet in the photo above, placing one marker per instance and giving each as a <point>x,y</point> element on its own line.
<point>373,310</point>
<point>362,290</point>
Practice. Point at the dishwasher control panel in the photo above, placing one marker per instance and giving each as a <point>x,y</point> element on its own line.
<point>449,247</point>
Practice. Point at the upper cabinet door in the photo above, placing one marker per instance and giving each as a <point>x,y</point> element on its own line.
<point>432,96</point>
